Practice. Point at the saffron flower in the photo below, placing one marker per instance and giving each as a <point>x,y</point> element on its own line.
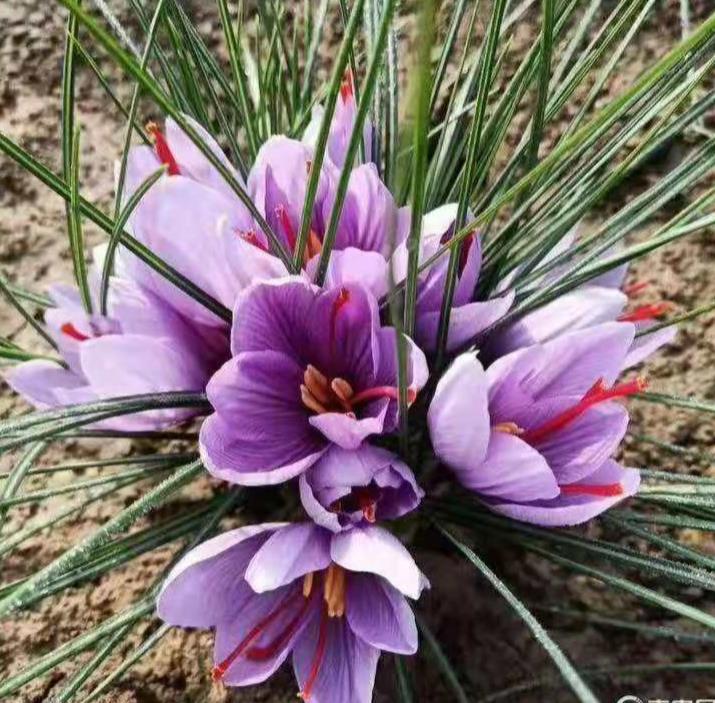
<point>602,299</point>
<point>469,318</point>
<point>334,601</point>
<point>534,434</point>
<point>310,368</point>
<point>141,346</point>
<point>192,210</point>
<point>346,488</point>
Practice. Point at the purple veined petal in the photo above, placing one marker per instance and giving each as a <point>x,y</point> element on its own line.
<point>466,323</point>
<point>511,470</point>
<point>37,381</point>
<point>194,164</point>
<point>380,615</point>
<point>273,315</point>
<point>260,632</point>
<point>215,570</point>
<point>648,343</point>
<point>368,213</point>
<point>249,263</point>
<point>507,380</point>
<point>259,434</point>
<point>578,309</point>
<point>332,664</point>
<point>458,417</point>
<point>574,361</point>
<point>351,265</point>
<point>568,510</point>
<point>291,552</point>
<point>350,432</point>
<point>585,443</point>
<point>374,550</point>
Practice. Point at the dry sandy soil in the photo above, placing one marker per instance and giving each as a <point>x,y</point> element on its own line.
<point>483,638</point>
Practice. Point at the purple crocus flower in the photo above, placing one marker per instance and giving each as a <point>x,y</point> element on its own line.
<point>141,346</point>
<point>468,319</point>
<point>355,487</point>
<point>190,211</point>
<point>534,434</point>
<point>602,299</point>
<point>310,368</point>
<point>341,127</point>
<point>334,601</point>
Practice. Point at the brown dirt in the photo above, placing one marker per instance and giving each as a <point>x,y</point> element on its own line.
<point>483,638</point>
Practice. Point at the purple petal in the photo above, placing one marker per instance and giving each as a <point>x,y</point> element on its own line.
<point>458,416</point>
<point>585,443</point>
<point>215,570</point>
<point>288,554</point>
<point>37,381</point>
<point>581,308</point>
<point>350,432</point>
<point>374,550</point>
<point>567,510</point>
<point>282,615</point>
<point>466,322</point>
<point>379,614</point>
<point>512,470</point>
<point>351,265</point>
<point>648,343</point>
<point>259,433</point>
<point>346,672</point>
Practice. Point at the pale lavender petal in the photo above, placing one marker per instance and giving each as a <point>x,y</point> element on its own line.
<point>581,308</point>
<point>511,470</point>
<point>351,265</point>
<point>585,443</point>
<point>346,673</point>
<point>466,323</point>
<point>613,278</point>
<point>141,163</point>
<point>567,510</point>
<point>379,614</point>
<point>215,570</point>
<point>328,519</point>
<point>574,361</point>
<point>350,432</point>
<point>648,343</point>
<point>458,417</point>
<point>37,381</point>
<point>374,550</point>
<point>194,164</point>
<point>288,554</point>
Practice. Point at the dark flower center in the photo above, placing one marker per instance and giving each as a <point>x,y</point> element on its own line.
<point>360,499</point>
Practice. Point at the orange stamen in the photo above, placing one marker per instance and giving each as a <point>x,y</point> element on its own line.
<point>596,394</point>
<point>161,147</point>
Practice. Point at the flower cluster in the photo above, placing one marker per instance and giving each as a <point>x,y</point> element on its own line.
<point>304,387</point>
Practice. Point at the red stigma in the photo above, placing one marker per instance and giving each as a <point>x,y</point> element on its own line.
<point>161,147</point>
<point>347,88</point>
<point>287,226</point>
<point>252,238</point>
<point>219,671</point>
<point>635,288</point>
<point>598,393</point>
<point>71,331</point>
<point>342,299</point>
<point>317,657</point>
<point>605,490</point>
<point>263,653</point>
<point>646,312</point>
<point>382,392</point>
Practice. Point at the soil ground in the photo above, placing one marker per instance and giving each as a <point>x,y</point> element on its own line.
<point>479,632</point>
